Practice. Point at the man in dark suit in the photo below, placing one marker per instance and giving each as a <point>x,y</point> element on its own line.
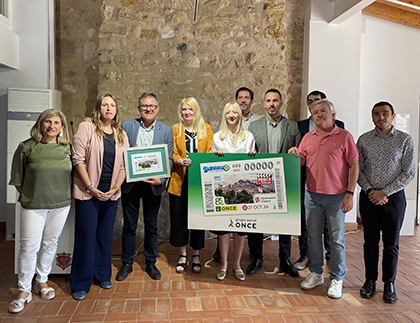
<point>144,131</point>
<point>273,134</point>
<point>307,125</point>
<point>304,127</point>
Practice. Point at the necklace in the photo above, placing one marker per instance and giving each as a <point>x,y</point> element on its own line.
<point>233,135</point>
<point>190,128</point>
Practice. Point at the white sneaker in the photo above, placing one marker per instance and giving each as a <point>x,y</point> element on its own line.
<point>312,281</point>
<point>336,289</point>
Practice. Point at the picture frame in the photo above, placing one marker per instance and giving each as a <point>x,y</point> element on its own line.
<point>147,161</point>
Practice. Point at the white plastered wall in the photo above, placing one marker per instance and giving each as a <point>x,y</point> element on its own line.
<point>390,71</point>
<point>359,62</point>
<point>24,63</point>
<point>334,68</point>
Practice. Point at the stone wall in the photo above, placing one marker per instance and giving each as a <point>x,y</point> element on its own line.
<point>177,48</point>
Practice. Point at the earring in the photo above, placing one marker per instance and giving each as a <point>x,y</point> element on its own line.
<point>60,134</point>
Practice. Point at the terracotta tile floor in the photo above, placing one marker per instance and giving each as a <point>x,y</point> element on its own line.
<point>266,297</point>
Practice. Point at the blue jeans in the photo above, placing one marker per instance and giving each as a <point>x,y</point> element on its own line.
<point>319,207</point>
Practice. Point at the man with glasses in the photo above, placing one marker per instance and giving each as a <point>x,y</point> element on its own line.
<point>144,131</point>
<point>307,125</point>
<point>304,127</point>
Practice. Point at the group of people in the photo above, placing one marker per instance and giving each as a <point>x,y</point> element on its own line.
<point>382,162</point>
<point>42,171</point>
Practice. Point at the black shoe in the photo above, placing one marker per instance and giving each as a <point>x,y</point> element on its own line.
<point>254,266</point>
<point>288,268</point>
<point>123,272</point>
<point>216,255</point>
<point>153,272</point>
<point>368,289</point>
<point>302,263</point>
<point>389,293</point>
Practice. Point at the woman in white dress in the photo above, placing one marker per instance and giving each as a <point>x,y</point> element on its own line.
<point>232,138</point>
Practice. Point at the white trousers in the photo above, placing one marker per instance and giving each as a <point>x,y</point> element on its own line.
<point>39,233</point>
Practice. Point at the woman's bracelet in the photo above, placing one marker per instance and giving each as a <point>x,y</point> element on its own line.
<point>89,189</point>
<point>115,188</point>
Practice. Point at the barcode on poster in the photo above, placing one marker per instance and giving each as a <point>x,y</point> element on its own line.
<point>279,192</point>
<point>208,194</point>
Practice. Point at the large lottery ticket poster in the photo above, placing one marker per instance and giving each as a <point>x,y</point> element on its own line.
<point>242,193</point>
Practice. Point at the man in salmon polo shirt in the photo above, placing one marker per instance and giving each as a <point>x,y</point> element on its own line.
<point>332,170</point>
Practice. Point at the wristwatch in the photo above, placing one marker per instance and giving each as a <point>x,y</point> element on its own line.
<point>89,189</point>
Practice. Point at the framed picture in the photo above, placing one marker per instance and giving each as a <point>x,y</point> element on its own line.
<point>148,161</point>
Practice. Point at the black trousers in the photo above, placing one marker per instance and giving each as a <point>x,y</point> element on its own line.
<point>387,218</point>
<point>131,204</point>
<point>179,222</point>
<point>255,244</point>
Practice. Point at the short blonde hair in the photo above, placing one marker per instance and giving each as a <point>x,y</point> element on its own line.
<point>239,129</point>
<point>36,131</point>
<point>198,121</point>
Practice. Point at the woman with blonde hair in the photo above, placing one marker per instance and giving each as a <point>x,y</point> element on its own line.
<point>191,135</point>
<point>41,173</point>
<point>98,148</point>
<point>232,138</point>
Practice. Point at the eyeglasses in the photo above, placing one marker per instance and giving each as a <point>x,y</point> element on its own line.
<point>148,106</point>
<point>310,101</point>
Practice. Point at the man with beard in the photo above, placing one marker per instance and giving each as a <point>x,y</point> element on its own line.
<point>276,135</point>
<point>244,97</point>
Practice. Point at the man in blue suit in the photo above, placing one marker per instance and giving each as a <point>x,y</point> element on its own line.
<point>304,127</point>
<point>144,131</point>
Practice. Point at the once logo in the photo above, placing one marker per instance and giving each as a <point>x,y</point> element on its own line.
<point>246,225</point>
<point>226,208</point>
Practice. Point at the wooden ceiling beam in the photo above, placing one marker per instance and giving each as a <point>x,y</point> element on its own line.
<point>402,7</point>
<point>393,13</point>
<point>413,2</point>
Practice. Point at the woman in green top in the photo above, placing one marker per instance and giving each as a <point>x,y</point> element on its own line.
<point>41,172</point>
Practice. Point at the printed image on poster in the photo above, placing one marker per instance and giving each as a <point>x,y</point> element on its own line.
<point>146,163</point>
<point>243,187</point>
<point>244,193</point>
